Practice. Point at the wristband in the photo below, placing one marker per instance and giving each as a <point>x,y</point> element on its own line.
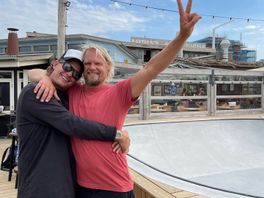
<point>118,135</point>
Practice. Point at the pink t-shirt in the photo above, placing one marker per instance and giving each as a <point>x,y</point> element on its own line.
<point>97,166</point>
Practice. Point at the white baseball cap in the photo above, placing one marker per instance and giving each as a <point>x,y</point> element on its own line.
<point>74,54</point>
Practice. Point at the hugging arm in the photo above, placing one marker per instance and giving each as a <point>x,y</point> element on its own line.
<point>57,116</point>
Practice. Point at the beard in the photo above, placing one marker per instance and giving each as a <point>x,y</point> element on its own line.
<point>92,80</point>
<point>92,83</point>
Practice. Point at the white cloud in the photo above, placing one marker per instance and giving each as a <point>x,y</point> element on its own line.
<point>41,16</point>
<point>115,5</point>
<point>28,16</point>
<point>94,19</point>
<point>251,33</point>
<point>251,27</point>
<point>261,30</point>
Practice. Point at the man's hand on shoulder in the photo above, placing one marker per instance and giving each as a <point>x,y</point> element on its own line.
<point>45,90</point>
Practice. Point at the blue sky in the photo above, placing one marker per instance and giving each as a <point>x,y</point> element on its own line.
<point>118,21</point>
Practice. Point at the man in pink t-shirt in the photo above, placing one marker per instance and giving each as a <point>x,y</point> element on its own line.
<point>100,172</point>
<point>97,166</point>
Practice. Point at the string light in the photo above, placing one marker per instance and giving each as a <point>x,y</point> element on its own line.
<point>67,4</point>
<point>168,10</point>
<point>143,6</point>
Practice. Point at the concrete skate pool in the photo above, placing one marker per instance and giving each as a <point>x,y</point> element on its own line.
<point>215,158</point>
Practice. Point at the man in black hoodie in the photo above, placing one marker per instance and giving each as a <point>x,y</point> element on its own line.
<point>46,165</point>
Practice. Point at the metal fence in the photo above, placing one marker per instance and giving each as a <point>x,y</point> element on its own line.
<point>201,92</point>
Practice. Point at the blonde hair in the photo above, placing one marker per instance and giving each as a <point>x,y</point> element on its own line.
<point>105,55</point>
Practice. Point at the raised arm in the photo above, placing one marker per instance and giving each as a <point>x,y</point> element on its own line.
<point>163,59</point>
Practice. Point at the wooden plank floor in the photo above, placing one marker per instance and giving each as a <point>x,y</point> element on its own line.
<point>146,187</point>
<point>7,189</point>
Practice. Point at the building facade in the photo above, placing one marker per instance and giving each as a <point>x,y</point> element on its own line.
<point>182,88</point>
<point>238,53</point>
<point>36,50</point>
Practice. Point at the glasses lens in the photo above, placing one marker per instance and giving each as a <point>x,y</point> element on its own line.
<point>76,75</point>
<point>68,68</point>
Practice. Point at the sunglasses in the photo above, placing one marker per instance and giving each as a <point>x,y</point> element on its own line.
<point>68,68</point>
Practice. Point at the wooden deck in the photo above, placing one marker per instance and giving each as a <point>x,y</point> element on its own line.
<point>7,189</point>
<point>148,188</point>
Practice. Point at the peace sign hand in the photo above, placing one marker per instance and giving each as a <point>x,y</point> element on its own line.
<point>187,19</point>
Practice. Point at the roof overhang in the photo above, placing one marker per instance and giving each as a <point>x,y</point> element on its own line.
<point>13,61</point>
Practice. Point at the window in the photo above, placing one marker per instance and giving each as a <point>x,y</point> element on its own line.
<point>147,55</point>
<point>25,49</point>
<point>41,48</point>
<point>53,48</point>
<point>74,46</point>
<point>7,75</point>
<point>5,95</point>
<point>2,50</point>
<point>238,89</point>
<point>157,90</point>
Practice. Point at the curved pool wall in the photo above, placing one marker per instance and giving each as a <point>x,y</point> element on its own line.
<point>216,158</point>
